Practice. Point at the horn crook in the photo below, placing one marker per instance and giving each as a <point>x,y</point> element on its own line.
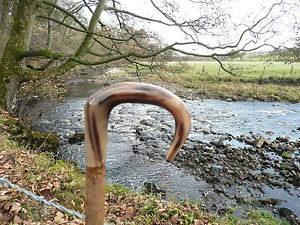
<point>97,110</point>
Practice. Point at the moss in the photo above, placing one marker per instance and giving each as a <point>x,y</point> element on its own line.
<point>117,190</point>
<point>71,190</point>
<point>46,52</point>
<point>263,217</point>
<point>42,141</point>
<point>287,155</point>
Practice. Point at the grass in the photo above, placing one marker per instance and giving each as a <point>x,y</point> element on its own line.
<point>246,71</point>
<point>255,217</point>
<point>255,80</point>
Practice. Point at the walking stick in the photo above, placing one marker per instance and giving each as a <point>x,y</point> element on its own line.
<point>97,110</point>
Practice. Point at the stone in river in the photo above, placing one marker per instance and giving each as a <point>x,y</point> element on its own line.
<point>289,215</point>
<point>261,141</point>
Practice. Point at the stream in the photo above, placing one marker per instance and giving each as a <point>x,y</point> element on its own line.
<point>219,165</point>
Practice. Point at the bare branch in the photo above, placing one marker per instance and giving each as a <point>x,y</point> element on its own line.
<point>113,9</point>
<point>46,53</point>
<point>222,66</point>
<point>122,56</point>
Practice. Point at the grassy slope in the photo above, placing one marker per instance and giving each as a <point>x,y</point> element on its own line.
<point>64,183</point>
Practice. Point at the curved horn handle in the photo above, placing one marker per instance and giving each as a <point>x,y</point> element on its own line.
<point>97,111</point>
<point>99,106</point>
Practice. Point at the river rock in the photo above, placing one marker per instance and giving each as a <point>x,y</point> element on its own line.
<point>267,173</point>
<point>218,143</point>
<point>252,157</point>
<point>147,123</point>
<point>297,166</point>
<point>271,201</point>
<point>152,188</point>
<point>261,141</point>
<point>249,141</point>
<point>289,215</point>
<point>288,148</point>
<point>274,146</point>
<point>275,182</point>
<point>223,156</point>
<point>76,138</point>
<point>283,139</point>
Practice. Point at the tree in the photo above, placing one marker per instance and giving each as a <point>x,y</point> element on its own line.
<point>7,7</point>
<point>124,36</point>
<point>294,51</point>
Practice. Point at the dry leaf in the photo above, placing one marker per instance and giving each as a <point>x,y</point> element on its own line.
<point>4,195</point>
<point>59,217</point>
<point>7,206</point>
<point>49,186</point>
<point>198,222</point>
<point>56,184</point>
<point>130,211</point>
<point>162,210</point>
<point>5,219</point>
<point>17,220</point>
<point>45,192</point>
<point>16,207</point>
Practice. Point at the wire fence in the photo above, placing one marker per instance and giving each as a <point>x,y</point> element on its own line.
<point>41,199</point>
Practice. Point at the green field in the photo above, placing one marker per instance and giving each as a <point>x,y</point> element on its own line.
<point>245,71</point>
<point>253,81</point>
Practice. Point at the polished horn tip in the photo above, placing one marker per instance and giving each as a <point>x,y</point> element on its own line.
<point>183,126</point>
<point>171,155</point>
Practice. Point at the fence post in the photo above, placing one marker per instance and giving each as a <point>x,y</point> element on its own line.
<point>291,70</point>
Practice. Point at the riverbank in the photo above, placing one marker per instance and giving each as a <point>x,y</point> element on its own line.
<point>187,80</point>
<point>251,82</point>
<point>131,148</point>
<point>63,183</point>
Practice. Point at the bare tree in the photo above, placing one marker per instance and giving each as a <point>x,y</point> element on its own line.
<point>125,34</point>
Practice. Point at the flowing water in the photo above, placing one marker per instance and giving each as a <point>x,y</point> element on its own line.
<point>211,120</point>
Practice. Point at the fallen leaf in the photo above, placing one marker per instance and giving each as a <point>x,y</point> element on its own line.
<point>162,210</point>
<point>15,207</point>
<point>17,220</point>
<point>49,186</point>
<point>5,219</point>
<point>4,195</point>
<point>7,206</point>
<point>198,222</point>
<point>59,217</point>
<point>56,184</point>
<point>45,192</point>
<point>130,211</point>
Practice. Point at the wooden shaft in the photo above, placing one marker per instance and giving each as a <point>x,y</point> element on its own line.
<point>97,111</point>
<point>95,195</point>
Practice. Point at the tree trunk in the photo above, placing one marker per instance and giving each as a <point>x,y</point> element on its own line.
<point>85,44</point>
<point>50,27</point>
<point>12,70</point>
<point>5,9</point>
